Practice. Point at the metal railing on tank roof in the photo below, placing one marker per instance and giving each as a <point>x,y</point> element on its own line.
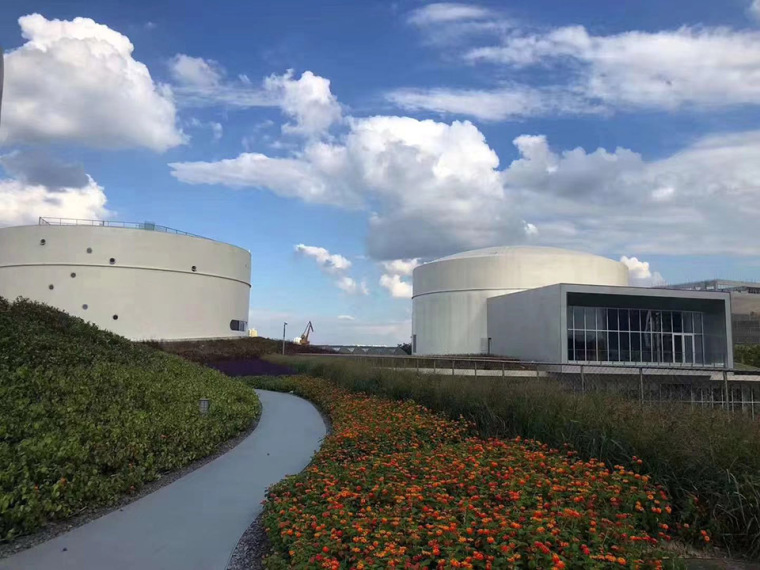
<point>148,226</point>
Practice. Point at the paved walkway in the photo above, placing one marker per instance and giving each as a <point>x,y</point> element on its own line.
<point>195,522</point>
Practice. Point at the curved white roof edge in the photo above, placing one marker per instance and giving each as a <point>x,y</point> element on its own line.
<point>508,249</point>
<point>178,233</point>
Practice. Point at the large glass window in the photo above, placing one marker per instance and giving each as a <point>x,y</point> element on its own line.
<point>606,334</point>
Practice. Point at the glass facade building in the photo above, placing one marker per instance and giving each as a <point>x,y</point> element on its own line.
<point>603,334</point>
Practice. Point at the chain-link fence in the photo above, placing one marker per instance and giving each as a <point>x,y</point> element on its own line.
<point>730,389</point>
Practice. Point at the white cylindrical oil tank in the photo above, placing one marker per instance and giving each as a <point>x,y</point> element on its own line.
<point>139,283</point>
<point>450,295</point>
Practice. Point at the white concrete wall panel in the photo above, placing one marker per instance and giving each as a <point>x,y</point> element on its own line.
<point>151,285</point>
<point>449,314</point>
<point>528,324</point>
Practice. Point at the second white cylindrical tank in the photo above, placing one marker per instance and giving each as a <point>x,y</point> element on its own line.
<point>450,294</point>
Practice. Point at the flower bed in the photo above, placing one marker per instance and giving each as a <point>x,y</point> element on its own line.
<point>395,485</point>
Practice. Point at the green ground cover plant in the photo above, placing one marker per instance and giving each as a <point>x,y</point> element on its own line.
<point>397,486</point>
<point>707,460</point>
<point>87,416</point>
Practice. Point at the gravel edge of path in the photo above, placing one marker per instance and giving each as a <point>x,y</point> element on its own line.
<point>252,548</point>
<point>254,544</point>
<point>54,529</point>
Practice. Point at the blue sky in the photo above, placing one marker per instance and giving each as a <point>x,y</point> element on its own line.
<point>378,135</point>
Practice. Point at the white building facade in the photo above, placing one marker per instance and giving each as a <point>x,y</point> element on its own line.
<point>141,281</point>
<point>558,306</point>
<point>449,300</point>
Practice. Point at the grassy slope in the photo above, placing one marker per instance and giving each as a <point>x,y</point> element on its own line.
<point>710,456</point>
<point>87,416</point>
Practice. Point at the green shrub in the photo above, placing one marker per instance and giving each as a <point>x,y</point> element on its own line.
<point>747,354</point>
<point>708,460</point>
<point>218,350</point>
<point>87,416</point>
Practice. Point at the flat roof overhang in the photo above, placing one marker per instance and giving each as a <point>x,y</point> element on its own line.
<point>642,297</point>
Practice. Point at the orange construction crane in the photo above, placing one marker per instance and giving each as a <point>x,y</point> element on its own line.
<point>305,336</point>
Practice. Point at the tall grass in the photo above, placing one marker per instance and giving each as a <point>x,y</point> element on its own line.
<point>709,460</point>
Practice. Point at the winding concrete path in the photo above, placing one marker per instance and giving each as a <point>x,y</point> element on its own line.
<point>195,522</point>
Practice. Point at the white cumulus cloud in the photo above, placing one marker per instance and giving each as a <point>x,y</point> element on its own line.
<point>712,67</point>
<point>396,286</point>
<point>41,186</point>
<point>442,12</point>
<point>701,200</point>
<point>433,187</point>
<point>336,265</point>
<point>195,71</point>
<point>200,82</point>
<point>436,188</point>
<point>403,267</point>
<point>330,262</point>
<point>76,81</point>
<point>686,68</point>
<point>641,274</point>
<point>308,100</point>
<point>346,318</point>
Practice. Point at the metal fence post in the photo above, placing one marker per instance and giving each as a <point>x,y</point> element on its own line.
<point>502,369</point>
<point>452,367</point>
<point>725,388</point>
<point>583,380</point>
<point>641,384</point>
<point>476,368</point>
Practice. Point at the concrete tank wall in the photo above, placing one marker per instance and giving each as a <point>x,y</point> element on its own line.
<point>150,287</point>
<point>449,301</point>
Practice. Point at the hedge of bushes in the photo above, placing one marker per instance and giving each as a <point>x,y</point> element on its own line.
<point>87,416</point>
<point>222,350</point>
<point>397,486</point>
<point>709,461</point>
<point>747,354</point>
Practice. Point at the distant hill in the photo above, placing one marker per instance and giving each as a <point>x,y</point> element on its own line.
<point>87,416</point>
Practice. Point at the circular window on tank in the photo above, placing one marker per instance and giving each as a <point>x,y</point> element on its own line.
<point>89,250</point>
<point>51,287</point>
<point>73,275</point>
<point>194,268</point>
<point>116,317</point>
<point>42,241</point>
<point>112,261</point>
<point>85,306</point>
